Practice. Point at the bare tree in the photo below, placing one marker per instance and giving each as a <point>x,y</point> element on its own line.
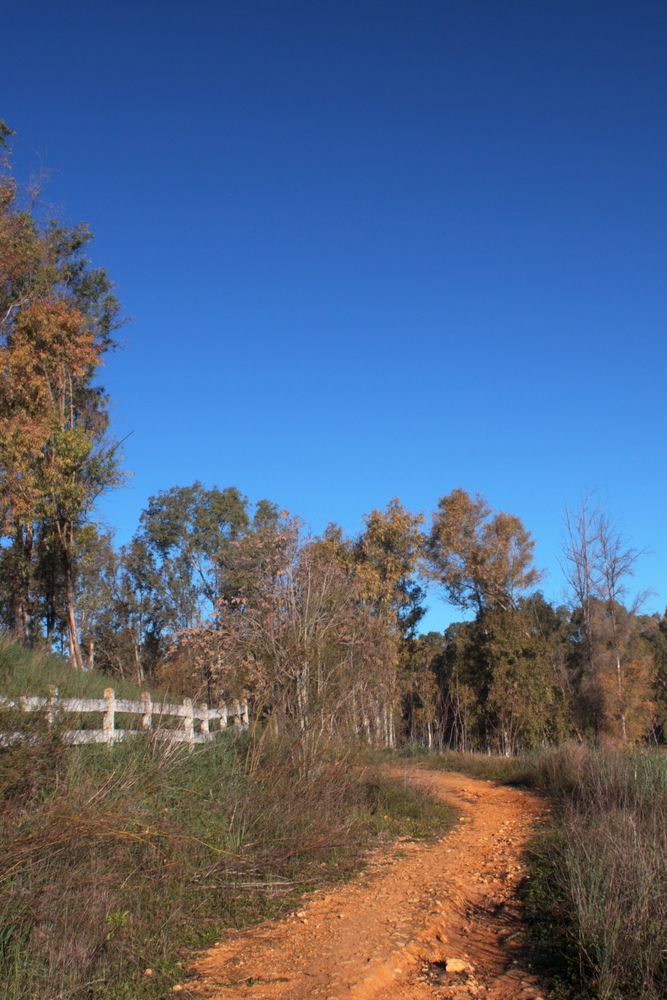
<point>598,564</point>
<point>580,568</point>
<point>298,635</point>
<point>616,566</point>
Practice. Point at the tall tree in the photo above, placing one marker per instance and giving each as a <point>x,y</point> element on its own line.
<point>57,315</point>
<point>497,668</point>
<point>616,676</point>
<point>185,531</point>
<point>386,555</point>
<point>482,561</point>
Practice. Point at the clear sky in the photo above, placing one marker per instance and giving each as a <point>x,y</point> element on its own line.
<point>371,249</point>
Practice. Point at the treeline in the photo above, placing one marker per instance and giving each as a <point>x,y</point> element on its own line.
<point>214,596</point>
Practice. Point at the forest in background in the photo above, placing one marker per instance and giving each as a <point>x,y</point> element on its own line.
<point>216,596</point>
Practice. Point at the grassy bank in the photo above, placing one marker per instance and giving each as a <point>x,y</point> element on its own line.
<point>29,672</point>
<point>115,861</point>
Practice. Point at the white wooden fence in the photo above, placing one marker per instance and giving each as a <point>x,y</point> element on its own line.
<point>196,726</point>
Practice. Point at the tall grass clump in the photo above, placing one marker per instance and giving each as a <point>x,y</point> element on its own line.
<point>598,894</point>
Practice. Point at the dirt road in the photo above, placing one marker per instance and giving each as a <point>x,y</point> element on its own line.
<point>393,932</point>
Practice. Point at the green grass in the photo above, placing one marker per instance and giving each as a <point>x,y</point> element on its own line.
<point>519,770</point>
<point>27,672</point>
<point>399,809</point>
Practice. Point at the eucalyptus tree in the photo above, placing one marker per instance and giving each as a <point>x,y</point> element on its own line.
<point>482,560</point>
<point>500,673</point>
<point>184,532</point>
<point>57,317</point>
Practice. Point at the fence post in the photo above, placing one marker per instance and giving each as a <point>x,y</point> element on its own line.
<point>245,717</point>
<point>188,721</point>
<point>222,708</point>
<point>109,717</point>
<point>237,714</point>
<point>147,717</point>
<point>205,728</point>
<point>51,705</point>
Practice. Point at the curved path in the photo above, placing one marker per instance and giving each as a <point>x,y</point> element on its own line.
<point>437,920</point>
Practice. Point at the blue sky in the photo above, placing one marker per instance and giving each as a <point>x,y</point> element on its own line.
<point>371,249</point>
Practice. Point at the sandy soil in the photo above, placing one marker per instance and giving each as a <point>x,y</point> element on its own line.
<point>392,932</point>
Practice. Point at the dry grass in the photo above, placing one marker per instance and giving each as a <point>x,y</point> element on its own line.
<point>598,895</point>
<point>117,860</point>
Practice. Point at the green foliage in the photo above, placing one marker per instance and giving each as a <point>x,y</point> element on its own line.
<point>184,530</point>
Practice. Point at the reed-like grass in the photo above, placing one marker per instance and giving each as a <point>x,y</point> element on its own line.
<point>597,899</point>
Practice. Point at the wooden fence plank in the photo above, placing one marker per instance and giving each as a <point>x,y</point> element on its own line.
<point>52,705</point>
<point>84,704</point>
<point>188,721</point>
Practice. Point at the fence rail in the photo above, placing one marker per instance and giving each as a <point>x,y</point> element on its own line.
<point>196,727</point>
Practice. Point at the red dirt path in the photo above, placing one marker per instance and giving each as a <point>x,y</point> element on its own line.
<point>389,934</point>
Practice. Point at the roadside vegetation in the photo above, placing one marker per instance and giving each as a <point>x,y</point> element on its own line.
<point>26,671</point>
<point>116,862</point>
<point>597,899</point>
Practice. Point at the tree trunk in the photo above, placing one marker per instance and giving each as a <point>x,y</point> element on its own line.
<point>138,664</point>
<point>72,630</point>
<point>23,540</point>
<point>619,686</point>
